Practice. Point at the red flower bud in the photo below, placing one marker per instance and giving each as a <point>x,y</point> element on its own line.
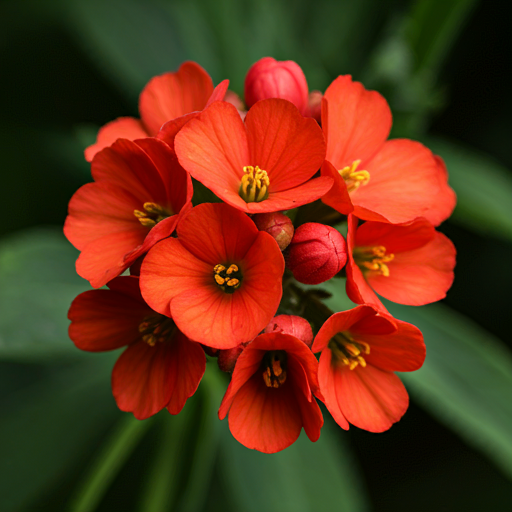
<point>269,78</point>
<point>315,105</point>
<point>294,325</point>
<point>227,358</point>
<point>316,253</point>
<point>278,225</point>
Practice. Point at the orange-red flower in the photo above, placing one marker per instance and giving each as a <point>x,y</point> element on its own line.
<point>160,368</point>
<point>263,165</point>
<point>220,280</point>
<point>382,180</point>
<point>139,193</point>
<point>410,264</point>
<point>271,394</point>
<point>168,97</point>
<point>360,351</point>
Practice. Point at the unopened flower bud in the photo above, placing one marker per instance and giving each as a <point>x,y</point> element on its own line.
<point>227,358</point>
<point>269,78</point>
<point>316,253</point>
<point>276,224</point>
<point>315,105</point>
<point>294,325</point>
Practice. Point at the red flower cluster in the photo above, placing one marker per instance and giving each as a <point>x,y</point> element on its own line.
<point>209,278</point>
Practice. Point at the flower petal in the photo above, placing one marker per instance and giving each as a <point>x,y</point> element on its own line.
<point>370,398</point>
<point>121,128</point>
<point>356,122</point>
<point>172,95</point>
<point>337,197</point>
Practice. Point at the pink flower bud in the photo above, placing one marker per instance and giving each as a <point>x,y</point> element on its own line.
<point>316,253</point>
<point>294,325</point>
<point>269,78</point>
<point>277,225</point>
<point>227,358</point>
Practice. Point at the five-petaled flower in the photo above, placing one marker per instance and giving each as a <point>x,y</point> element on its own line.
<point>272,392</point>
<point>160,368</point>
<point>220,280</point>
<point>360,351</point>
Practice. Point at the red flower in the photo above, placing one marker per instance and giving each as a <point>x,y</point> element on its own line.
<point>270,397</point>
<point>293,325</point>
<point>264,165</point>
<point>391,181</point>
<point>410,264</point>
<point>269,78</point>
<point>360,352</point>
<point>139,193</point>
<point>166,97</point>
<point>220,280</point>
<point>160,368</point>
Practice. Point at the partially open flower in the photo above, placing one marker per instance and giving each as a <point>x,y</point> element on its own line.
<point>271,394</point>
<point>316,254</point>
<point>277,225</point>
<point>160,368</point>
<point>269,78</point>
<point>361,350</point>
<point>220,280</point>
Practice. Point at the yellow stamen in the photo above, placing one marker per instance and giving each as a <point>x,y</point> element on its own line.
<point>354,178</point>
<point>274,373</point>
<point>156,329</point>
<point>153,214</point>
<point>229,280</point>
<point>373,259</point>
<point>219,280</point>
<point>254,185</point>
<point>232,268</point>
<point>347,351</point>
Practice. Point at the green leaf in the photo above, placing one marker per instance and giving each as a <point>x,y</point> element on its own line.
<point>483,187</point>
<point>48,426</point>
<point>466,380</point>
<point>108,463</point>
<point>305,476</point>
<point>37,285</point>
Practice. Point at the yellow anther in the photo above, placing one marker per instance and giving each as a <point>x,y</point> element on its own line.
<point>147,223</point>
<point>232,268</point>
<point>373,258</point>
<point>139,214</point>
<point>233,282</point>
<point>361,361</point>
<point>219,280</point>
<point>149,339</point>
<point>347,351</point>
<point>352,349</point>
<point>153,214</point>
<point>353,177</point>
<point>219,268</point>
<point>254,185</point>
<point>364,346</point>
<point>153,208</point>
<point>353,364</point>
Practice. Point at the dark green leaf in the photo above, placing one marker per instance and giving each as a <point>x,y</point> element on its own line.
<point>483,187</point>
<point>38,282</point>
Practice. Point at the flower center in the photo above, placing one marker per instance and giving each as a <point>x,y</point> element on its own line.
<point>347,351</point>
<point>153,213</point>
<point>354,178</point>
<point>254,185</point>
<point>229,278</point>
<point>157,329</point>
<point>274,368</point>
<point>373,259</point>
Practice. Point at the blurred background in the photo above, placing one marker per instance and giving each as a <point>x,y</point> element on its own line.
<point>69,67</point>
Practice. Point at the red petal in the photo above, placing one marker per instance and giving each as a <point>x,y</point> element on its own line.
<point>171,128</point>
<point>122,128</point>
<point>356,122</point>
<point>404,183</point>
<point>312,419</point>
<point>288,146</point>
<point>106,319</point>
<point>447,198</point>
<point>172,95</point>
<point>263,418</point>
<point>370,398</point>
<point>326,377</point>
<point>218,93</point>
<point>401,351</point>
<point>213,148</point>
<point>395,238</point>
<point>217,233</point>
<point>419,276</point>
<point>338,196</point>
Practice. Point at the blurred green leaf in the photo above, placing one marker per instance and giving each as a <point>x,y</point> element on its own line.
<point>50,425</point>
<point>466,380</point>
<point>38,282</point>
<point>130,40</point>
<point>306,476</point>
<point>483,187</point>
<point>108,463</point>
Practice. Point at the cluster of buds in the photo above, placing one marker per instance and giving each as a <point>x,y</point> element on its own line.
<point>225,279</point>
